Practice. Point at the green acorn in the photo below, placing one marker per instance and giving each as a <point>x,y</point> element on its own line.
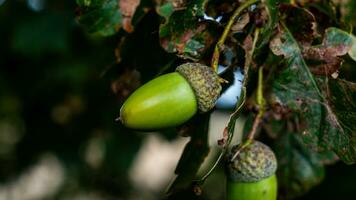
<point>251,175</point>
<point>171,99</point>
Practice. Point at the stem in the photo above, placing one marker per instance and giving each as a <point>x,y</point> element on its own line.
<point>220,43</point>
<point>262,108</point>
<point>234,115</point>
<point>260,103</point>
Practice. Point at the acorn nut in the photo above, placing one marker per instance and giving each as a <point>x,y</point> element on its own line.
<point>171,99</point>
<point>251,175</point>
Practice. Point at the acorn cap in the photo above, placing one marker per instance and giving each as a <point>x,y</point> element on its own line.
<point>205,83</point>
<point>254,163</point>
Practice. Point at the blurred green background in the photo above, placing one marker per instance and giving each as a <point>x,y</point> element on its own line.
<point>60,93</point>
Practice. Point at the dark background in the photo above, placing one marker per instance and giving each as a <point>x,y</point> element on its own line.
<point>56,99</point>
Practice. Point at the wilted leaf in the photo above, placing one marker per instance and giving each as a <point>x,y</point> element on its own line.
<point>185,34</point>
<point>297,89</point>
<point>193,155</point>
<point>335,43</point>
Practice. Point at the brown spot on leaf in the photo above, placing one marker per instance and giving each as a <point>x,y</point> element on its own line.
<point>128,8</point>
<point>327,53</point>
<point>192,43</point>
<point>328,56</point>
<point>184,39</point>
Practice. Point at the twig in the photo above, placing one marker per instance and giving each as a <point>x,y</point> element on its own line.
<point>220,43</point>
<point>226,140</point>
<point>262,108</point>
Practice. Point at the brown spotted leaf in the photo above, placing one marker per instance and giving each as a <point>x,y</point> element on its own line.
<point>335,43</point>
<point>185,33</point>
<point>323,125</point>
<point>300,22</point>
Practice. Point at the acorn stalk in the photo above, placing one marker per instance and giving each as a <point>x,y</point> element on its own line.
<point>171,99</point>
<point>251,175</point>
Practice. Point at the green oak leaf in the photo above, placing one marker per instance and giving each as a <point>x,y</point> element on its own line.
<point>297,89</point>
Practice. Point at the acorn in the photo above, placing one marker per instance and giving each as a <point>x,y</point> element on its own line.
<point>172,99</point>
<point>251,175</point>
